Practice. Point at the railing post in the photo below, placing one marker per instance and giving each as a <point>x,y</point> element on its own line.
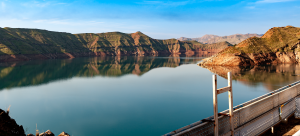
<point>230,98</point>
<point>215,100</point>
<point>215,97</point>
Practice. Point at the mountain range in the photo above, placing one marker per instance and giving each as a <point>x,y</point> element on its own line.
<point>27,44</point>
<point>209,39</point>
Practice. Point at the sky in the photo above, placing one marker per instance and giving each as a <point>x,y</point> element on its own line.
<point>160,19</point>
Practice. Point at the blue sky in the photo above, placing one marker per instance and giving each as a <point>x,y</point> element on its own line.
<point>159,19</point>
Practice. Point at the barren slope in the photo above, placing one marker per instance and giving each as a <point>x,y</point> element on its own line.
<point>277,45</point>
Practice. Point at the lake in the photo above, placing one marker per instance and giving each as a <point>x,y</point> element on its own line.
<point>128,95</point>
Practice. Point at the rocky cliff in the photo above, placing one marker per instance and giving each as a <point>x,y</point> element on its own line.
<point>277,45</point>
<point>27,44</point>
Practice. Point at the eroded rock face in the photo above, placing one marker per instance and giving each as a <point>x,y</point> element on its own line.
<point>279,45</point>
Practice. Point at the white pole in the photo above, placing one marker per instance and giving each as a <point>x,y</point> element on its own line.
<point>230,103</point>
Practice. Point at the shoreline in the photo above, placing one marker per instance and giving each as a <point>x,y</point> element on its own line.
<point>27,57</point>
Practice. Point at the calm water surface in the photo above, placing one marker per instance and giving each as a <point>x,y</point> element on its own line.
<point>128,96</point>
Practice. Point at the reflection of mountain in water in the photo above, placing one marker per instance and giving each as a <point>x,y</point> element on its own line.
<point>38,72</point>
<point>272,77</point>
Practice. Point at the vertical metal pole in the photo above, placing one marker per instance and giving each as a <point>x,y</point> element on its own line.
<point>230,103</point>
<point>272,130</point>
<point>215,95</point>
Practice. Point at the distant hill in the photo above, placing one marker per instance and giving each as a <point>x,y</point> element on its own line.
<point>202,39</point>
<point>26,44</point>
<point>232,39</point>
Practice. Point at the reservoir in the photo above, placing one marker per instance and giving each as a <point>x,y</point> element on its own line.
<point>127,95</point>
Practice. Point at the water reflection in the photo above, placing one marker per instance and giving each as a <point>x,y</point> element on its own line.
<point>39,72</point>
<point>271,77</point>
<point>128,96</point>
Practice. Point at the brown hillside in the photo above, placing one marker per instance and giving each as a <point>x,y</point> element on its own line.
<point>27,44</point>
<point>277,45</point>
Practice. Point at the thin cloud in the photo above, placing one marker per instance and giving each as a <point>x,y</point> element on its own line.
<point>36,4</point>
<point>166,3</point>
<point>61,3</point>
<point>173,3</point>
<point>66,22</point>
<point>42,4</point>
<point>272,1</point>
<point>57,22</point>
<point>3,5</point>
<point>251,7</point>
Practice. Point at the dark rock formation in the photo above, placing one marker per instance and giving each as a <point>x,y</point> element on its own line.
<point>8,126</point>
<point>49,133</point>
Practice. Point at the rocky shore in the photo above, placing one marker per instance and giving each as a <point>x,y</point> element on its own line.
<point>9,127</point>
<point>26,57</point>
<point>49,133</point>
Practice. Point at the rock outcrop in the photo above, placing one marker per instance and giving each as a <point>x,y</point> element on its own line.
<point>276,46</point>
<point>8,126</point>
<point>63,134</point>
<point>49,133</point>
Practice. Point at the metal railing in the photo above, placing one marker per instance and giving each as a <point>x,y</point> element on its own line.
<point>250,118</point>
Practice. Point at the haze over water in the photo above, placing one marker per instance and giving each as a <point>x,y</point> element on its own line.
<point>129,96</point>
